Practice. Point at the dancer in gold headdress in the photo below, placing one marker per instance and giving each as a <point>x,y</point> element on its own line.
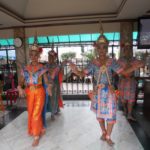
<point>127,84</point>
<point>32,75</point>
<point>55,75</point>
<point>104,99</point>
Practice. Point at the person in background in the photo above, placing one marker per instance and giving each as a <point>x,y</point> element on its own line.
<point>55,76</point>
<point>31,76</point>
<point>127,84</point>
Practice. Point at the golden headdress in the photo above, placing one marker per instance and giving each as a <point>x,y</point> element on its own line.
<point>102,38</point>
<point>52,52</point>
<point>35,46</point>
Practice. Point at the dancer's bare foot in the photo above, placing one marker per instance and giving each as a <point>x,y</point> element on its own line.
<point>36,141</point>
<point>109,141</point>
<point>103,137</point>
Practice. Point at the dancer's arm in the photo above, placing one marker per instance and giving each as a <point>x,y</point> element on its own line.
<point>124,70</point>
<point>49,84</point>
<point>129,70</point>
<point>76,70</point>
<point>20,85</point>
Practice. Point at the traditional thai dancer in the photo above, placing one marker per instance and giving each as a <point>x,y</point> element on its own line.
<point>127,84</point>
<point>32,75</point>
<point>55,76</point>
<point>105,105</point>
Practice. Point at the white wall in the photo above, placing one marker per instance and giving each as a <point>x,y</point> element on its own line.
<point>8,33</point>
<point>72,29</point>
<point>65,29</point>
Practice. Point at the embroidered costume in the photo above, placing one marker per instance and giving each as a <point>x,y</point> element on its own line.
<point>105,105</point>
<point>54,102</point>
<point>127,85</point>
<point>35,94</point>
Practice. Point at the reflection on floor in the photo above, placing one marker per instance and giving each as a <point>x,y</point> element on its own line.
<point>141,127</point>
<point>143,121</point>
<point>74,129</point>
<point>3,113</point>
<point>10,115</point>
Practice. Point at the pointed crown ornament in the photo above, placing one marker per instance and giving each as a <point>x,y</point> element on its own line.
<point>102,38</point>
<point>35,46</point>
<point>52,52</point>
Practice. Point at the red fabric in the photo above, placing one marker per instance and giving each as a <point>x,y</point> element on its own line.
<point>60,101</point>
<point>40,49</point>
<point>35,104</point>
<point>2,107</point>
<point>12,95</point>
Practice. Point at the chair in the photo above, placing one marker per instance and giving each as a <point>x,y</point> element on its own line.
<point>12,95</point>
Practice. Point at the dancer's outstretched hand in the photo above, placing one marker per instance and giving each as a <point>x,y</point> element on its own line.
<point>73,66</point>
<point>21,92</point>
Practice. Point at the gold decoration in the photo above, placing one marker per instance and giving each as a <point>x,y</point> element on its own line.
<point>52,52</point>
<point>103,69</point>
<point>35,46</point>
<point>102,38</point>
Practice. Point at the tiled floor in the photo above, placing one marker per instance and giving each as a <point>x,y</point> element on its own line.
<point>74,129</point>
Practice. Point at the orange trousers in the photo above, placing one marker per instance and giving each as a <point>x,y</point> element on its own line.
<point>35,104</point>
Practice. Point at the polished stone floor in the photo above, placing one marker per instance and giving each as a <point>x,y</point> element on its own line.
<point>74,129</point>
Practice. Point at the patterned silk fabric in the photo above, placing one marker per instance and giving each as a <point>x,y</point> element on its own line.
<point>35,95</point>
<point>104,101</point>
<point>127,85</point>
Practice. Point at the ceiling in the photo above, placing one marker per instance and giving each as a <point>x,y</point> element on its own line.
<point>28,13</point>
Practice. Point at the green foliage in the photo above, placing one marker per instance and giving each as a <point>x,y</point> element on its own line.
<point>140,55</point>
<point>68,55</point>
<point>89,55</point>
<point>4,96</point>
